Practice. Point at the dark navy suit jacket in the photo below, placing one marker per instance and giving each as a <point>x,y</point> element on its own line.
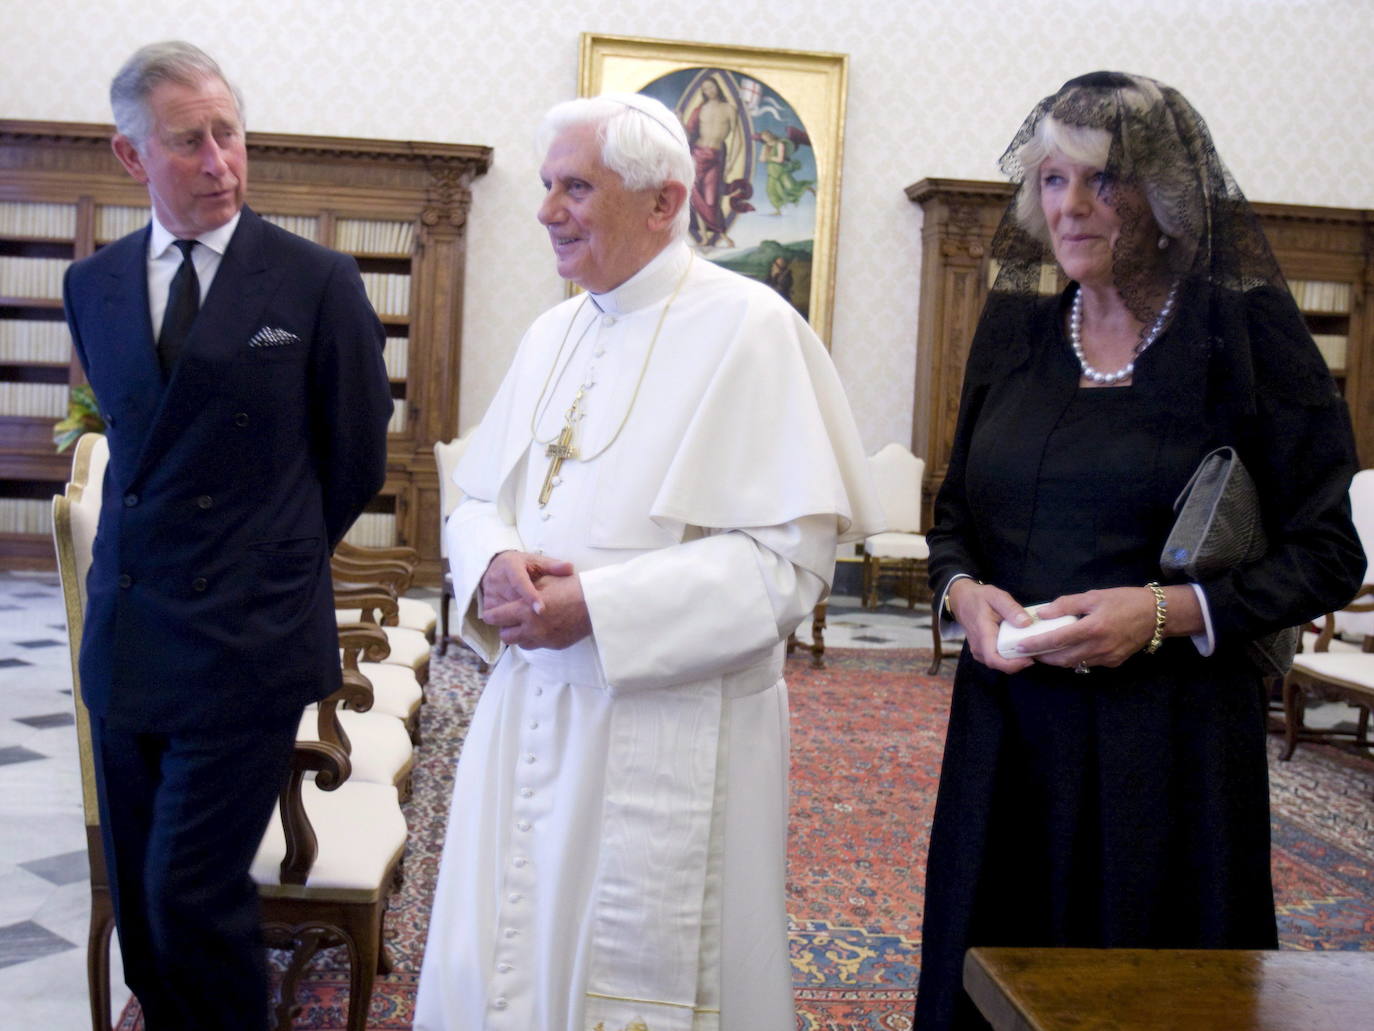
<point>210,599</point>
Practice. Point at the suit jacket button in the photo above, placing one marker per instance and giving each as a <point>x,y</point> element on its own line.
<point>130,500</point>
<point>199,584</point>
<point>241,419</point>
<point>125,580</point>
<point>205,501</point>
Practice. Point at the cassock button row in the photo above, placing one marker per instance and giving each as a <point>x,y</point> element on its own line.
<point>530,758</point>
<point>608,320</point>
<point>199,584</point>
<point>511,932</point>
<point>524,825</point>
<point>499,1002</point>
<point>546,516</point>
<point>125,580</point>
<point>514,896</point>
<point>600,351</point>
<point>526,793</point>
<point>205,501</point>
<point>519,861</point>
<point>241,419</point>
<point>130,500</point>
<point>534,724</point>
<point>503,968</point>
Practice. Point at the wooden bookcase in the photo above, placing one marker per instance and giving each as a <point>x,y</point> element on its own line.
<point>400,208</point>
<point>1327,255</point>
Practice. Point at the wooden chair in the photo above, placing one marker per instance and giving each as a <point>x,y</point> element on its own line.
<point>899,553</point>
<point>1345,676</point>
<point>394,566</point>
<point>329,858</point>
<point>375,602</point>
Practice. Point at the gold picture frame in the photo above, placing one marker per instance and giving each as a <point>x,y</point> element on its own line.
<point>778,119</point>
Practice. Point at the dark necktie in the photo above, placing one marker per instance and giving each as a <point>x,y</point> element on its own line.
<point>183,302</point>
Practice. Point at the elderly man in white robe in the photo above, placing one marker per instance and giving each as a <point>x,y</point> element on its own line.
<point>653,502</point>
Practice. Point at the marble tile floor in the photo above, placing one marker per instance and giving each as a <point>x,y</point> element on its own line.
<point>44,888</point>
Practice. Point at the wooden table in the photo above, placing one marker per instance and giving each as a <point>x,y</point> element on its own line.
<point>1170,990</point>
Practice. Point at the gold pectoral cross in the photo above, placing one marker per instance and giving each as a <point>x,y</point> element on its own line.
<point>557,451</point>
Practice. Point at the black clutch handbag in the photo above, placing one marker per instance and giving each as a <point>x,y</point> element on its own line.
<point>1219,526</point>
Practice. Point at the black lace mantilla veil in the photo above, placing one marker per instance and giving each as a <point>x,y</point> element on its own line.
<point>1215,250</point>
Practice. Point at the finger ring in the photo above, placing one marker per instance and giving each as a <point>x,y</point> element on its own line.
<point>1082,667</point>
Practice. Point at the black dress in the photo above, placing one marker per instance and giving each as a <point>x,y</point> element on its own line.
<point>1129,807</point>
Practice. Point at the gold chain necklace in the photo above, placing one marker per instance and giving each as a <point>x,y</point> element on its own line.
<point>561,447</point>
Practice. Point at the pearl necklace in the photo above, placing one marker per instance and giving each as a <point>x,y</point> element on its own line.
<point>1146,339</point>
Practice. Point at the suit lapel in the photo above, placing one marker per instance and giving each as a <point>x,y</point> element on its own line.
<point>233,307</point>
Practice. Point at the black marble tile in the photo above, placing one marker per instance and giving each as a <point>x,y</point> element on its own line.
<point>7,663</point>
<point>20,943</point>
<point>67,868</point>
<point>44,643</point>
<point>31,594</point>
<point>18,754</point>
<point>871,639</point>
<point>11,608</point>
<point>52,719</point>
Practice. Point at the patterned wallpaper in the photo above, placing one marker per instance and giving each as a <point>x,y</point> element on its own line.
<point>935,89</point>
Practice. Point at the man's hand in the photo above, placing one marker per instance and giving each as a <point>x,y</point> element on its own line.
<point>510,578</point>
<point>535,601</point>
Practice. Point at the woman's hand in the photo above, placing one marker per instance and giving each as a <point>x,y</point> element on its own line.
<point>980,610</point>
<point>1113,624</point>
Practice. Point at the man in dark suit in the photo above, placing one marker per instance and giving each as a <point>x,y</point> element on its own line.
<point>239,372</point>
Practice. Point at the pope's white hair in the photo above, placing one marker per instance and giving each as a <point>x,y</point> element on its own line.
<point>641,141</point>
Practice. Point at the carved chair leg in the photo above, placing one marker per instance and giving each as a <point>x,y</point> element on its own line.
<point>1292,716</point>
<point>303,943</point>
<point>98,959</point>
<point>443,620</point>
<point>818,635</point>
<point>937,647</point>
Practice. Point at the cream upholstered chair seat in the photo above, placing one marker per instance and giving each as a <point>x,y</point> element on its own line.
<point>900,546</point>
<point>395,690</point>
<point>361,833</point>
<point>379,749</point>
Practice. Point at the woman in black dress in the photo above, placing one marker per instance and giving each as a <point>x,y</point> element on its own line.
<point>1111,790</point>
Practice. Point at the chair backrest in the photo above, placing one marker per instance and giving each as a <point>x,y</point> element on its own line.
<point>446,455</point>
<point>897,475</point>
<point>76,513</point>
<point>1362,512</point>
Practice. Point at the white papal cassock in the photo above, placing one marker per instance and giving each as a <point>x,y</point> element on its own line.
<point>616,846</point>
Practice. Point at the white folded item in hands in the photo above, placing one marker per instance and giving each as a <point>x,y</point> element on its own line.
<point>1009,635</point>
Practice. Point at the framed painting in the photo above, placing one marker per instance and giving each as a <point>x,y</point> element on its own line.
<point>767,135</point>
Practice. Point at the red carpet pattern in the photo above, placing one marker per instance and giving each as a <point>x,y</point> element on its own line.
<point>867,737</point>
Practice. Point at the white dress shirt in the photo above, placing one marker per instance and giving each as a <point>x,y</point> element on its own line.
<point>164,259</point>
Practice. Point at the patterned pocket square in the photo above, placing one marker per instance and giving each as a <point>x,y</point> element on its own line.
<point>269,336</point>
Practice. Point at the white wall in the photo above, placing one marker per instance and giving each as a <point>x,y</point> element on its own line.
<point>936,88</point>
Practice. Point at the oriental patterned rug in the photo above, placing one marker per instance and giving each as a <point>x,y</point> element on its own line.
<point>867,736</point>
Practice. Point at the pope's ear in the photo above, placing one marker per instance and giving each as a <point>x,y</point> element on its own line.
<point>128,155</point>
<point>668,202</point>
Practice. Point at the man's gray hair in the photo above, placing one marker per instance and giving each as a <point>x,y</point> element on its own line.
<point>641,141</point>
<point>149,67</point>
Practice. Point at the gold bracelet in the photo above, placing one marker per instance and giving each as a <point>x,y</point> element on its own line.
<point>1161,612</point>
